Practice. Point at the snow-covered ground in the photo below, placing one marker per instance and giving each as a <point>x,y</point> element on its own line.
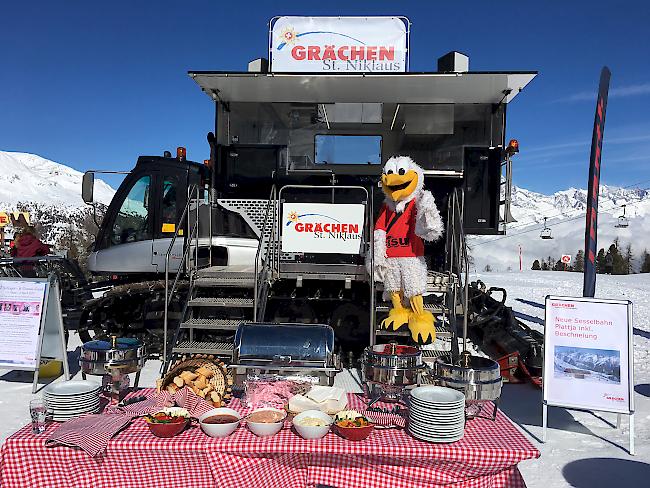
<point>583,449</point>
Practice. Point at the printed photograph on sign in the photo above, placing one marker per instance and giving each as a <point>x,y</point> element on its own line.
<point>597,365</point>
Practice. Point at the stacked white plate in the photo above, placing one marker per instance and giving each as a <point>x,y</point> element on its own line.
<point>436,414</point>
<point>71,398</point>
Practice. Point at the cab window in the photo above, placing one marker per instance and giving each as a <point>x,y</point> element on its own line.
<point>132,220</point>
<point>169,204</point>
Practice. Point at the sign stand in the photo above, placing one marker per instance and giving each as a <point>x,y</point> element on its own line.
<point>571,382</point>
<point>47,334</point>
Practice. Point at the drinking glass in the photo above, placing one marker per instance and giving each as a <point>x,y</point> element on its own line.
<point>38,411</point>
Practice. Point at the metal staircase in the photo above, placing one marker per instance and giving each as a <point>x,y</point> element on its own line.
<point>220,298</point>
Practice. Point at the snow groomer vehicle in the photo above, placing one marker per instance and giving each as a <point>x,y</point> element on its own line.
<point>275,230</point>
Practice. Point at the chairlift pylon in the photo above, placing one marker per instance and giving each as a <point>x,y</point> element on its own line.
<point>622,221</point>
<point>546,232</point>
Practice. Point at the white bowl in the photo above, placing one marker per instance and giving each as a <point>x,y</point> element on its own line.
<point>310,431</point>
<point>266,429</point>
<point>219,430</point>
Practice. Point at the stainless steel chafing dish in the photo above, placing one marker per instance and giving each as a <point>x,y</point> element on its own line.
<point>286,348</point>
<point>103,357</point>
<point>391,364</point>
<point>113,360</point>
<point>479,378</point>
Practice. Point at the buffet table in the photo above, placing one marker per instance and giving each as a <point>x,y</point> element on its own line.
<point>487,456</point>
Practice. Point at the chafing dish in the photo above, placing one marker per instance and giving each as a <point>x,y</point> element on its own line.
<point>113,360</point>
<point>387,369</point>
<point>479,378</point>
<point>285,348</point>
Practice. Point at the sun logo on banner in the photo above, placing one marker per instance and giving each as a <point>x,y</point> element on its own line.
<point>292,217</point>
<point>289,35</point>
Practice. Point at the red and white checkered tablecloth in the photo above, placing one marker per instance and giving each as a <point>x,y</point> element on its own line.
<point>487,456</point>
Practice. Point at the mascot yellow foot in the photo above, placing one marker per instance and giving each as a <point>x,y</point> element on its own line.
<point>398,315</point>
<point>421,322</point>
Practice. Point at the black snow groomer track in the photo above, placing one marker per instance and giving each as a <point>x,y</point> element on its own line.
<point>494,328</point>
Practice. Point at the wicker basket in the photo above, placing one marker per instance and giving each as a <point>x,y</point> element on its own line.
<point>221,381</point>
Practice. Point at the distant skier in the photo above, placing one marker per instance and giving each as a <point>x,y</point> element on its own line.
<point>27,245</point>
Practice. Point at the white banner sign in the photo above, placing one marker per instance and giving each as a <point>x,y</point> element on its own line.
<point>339,44</point>
<point>21,310</point>
<point>587,354</point>
<point>322,228</point>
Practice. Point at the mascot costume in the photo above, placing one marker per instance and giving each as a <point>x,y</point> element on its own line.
<point>408,217</point>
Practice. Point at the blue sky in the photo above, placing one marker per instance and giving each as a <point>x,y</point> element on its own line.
<point>95,84</point>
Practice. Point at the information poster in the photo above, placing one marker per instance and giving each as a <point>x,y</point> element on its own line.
<point>587,357</point>
<point>322,228</point>
<point>21,310</point>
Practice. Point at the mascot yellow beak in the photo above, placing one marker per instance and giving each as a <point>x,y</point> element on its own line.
<point>397,187</point>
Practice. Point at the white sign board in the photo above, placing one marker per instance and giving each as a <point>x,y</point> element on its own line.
<point>588,354</point>
<point>21,312</point>
<point>339,44</point>
<point>322,228</point>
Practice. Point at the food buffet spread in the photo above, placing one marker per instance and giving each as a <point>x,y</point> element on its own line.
<point>281,429</point>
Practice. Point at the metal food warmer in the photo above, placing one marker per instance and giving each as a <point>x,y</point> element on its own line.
<point>306,349</point>
<point>479,378</point>
<point>113,361</point>
<point>388,369</point>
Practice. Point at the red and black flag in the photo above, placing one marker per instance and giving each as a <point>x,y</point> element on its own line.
<point>591,228</point>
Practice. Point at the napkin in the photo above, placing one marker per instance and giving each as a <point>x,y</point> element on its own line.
<point>320,393</point>
<point>91,433</point>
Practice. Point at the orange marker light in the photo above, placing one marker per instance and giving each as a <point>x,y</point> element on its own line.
<point>181,153</point>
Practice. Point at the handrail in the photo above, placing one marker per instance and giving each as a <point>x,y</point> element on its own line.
<point>271,204</point>
<point>461,258</point>
<point>191,190</point>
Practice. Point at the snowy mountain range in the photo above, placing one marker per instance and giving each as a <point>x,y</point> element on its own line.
<point>565,211</point>
<point>31,178</point>
<point>51,193</point>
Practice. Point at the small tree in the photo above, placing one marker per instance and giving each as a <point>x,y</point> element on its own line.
<point>618,266</point>
<point>536,265</point>
<point>579,263</point>
<point>645,262</point>
<point>558,266</point>
<point>488,268</point>
<point>629,259</point>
